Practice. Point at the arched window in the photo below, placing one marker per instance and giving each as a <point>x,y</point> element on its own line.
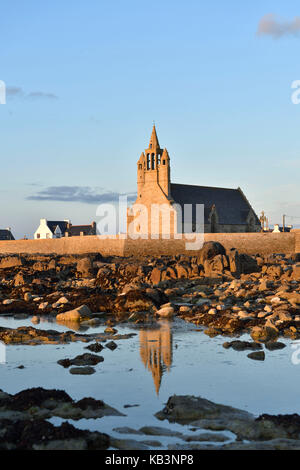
<point>158,159</point>
<point>152,161</point>
<point>213,222</point>
<point>164,162</point>
<point>148,161</point>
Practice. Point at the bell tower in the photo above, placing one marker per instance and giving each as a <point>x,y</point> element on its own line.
<point>152,211</point>
<point>153,168</point>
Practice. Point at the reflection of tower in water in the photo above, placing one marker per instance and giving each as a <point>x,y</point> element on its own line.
<point>156,351</point>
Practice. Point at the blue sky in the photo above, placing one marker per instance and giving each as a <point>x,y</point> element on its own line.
<point>86,80</point>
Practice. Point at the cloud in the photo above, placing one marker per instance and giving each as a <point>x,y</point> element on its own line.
<point>14,91</point>
<point>42,95</point>
<point>270,25</point>
<point>18,92</point>
<point>82,194</point>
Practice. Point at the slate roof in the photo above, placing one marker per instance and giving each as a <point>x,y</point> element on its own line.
<point>6,235</point>
<point>53,224</point>
<point>75,230</point>
<point>231,205</point>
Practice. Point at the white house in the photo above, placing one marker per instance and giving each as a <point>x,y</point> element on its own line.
<point>51,229</point>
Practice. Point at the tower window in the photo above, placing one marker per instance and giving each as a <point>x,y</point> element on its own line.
<point>158,159</point>
<point>164,162</point>
<point>152,161</point>
<point>148,161</point>
<point>140,166</point>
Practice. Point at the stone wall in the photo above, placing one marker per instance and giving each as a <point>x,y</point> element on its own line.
<point>251,243</point>
<point>296,233</point>
<point>65,245</point>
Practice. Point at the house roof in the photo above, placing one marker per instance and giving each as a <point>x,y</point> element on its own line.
<point>6,235</point>
<point>75,230</point>
<point>53,224</point>
<point>231,205</point>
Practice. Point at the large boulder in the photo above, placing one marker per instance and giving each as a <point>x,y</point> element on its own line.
<point>135,300</point>
<point>10,262</point>
<point>74,315</point>
<point>264,334</point>
<point>248,264</point>
<point>85,267</point>
<point>216,265</point>
<point>210,250</point>
<point>296,272</point>
<point>234,262</point>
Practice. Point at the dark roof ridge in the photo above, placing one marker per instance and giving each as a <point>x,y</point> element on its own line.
<point>200,186</point>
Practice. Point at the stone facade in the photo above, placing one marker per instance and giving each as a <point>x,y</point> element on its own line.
<point>161,207</point>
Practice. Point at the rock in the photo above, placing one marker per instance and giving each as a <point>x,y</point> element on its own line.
<point>127,430</point>
<point>189,410</point>
<point>245,315</point>
<point>43,305</point>
<point>85,267</point>
<point>39,434</point>
<point>166,312</point>
<point>159,431</point>
<point>63,300</point>
<point>135,301</point>
<point>248,264</point>
<point>82,370</point>
<point>242,345</point>
<point>156,276</point>
<point>19,280</point>
<point>111,331</point>
<point>210,250</point>
<point>35,319</point>
<point>275,300</point>
<point>204,414</point>
<point>11,262</point>
<point>95,347</point>
<point>27,296</point>
<point>274,346</point>
<point>21,316</point>
<point>257,356</point>
<point>74,315</point>
<point>264,333</point>
<point>184,309</point>
<point>111,345</point>
<point>85,359</point>
<point>295,274</point>
<point>8,301</point>
<point>206,437</point>
<point>211,332</point>
<point>212,311</point>
<point>128,444</point>
<point>234,262</point>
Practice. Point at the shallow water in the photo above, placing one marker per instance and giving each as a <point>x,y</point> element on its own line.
<point>147,369</point>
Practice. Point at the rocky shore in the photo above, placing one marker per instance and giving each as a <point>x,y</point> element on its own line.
<point>223,293</point>
<point>229,293</point>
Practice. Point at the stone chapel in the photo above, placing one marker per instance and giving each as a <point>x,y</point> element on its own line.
<point>225,209</point>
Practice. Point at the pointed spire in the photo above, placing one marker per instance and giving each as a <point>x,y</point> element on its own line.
<point>154,144</point>
<point>142,157</point>
<point>165,154</point>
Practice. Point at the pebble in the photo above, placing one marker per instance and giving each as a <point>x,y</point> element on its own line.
<point>212,311</point>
